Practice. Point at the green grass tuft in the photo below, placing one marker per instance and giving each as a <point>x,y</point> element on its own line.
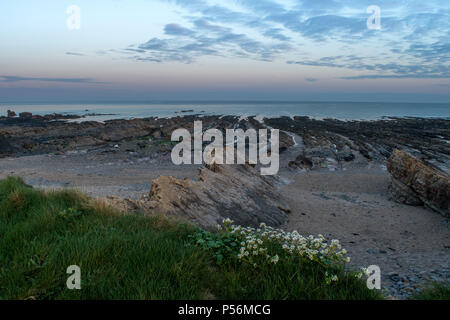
<point>132,256</point>
<point>438,291</point>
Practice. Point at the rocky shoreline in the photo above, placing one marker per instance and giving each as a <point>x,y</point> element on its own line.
<point>427,139</point>
<point>128,163</point>
<point>327,142</point>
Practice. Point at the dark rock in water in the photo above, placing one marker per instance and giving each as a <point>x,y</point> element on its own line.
<point>11,114</point>
<point>57,116</point>
<point>237,192</point>
<point>415,183</point>
<point>25,115</point>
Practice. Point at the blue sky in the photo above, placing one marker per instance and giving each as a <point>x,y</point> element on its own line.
<point>229,49</point>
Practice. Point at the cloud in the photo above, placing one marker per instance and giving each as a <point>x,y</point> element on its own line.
<point>414,40</point>
<point>276,33</point>
<point>387,70</point>
<point>431,52</point>
<point>321,28</point>
<point>205,25</point>
<point>174,29</point>
<point>74,54</point>
<point>187,44</point>
<point>62,80</point>
<point>396,76</point>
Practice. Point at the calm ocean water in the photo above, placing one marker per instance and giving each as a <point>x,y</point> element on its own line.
<point>319,110</point>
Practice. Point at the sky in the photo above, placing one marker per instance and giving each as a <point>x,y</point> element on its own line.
<point>258,50</point>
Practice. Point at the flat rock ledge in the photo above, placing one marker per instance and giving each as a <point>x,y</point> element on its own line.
<point>237,192</point>
<point>415,183</point>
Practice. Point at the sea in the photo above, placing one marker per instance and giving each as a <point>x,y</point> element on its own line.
<point>317,110</point>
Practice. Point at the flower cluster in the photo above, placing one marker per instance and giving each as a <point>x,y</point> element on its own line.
<point>361,272</point>
<point>255,245</point>
<point>329,278</point>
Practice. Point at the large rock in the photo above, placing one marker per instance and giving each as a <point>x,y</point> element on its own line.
<point>237,192</point>
<point>415,183</point>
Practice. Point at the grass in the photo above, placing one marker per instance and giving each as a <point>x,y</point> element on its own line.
<point>132,256</point>
<point>438,291</point>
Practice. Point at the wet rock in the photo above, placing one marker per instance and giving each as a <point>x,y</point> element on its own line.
<point>25,115</point>
<point>415,183</point>
<point>83,141</point>
<point>5,147</point>
<point>57,116</point>
<point>301,162</point>
<point>373,141</point>
<point>320,152</point>
<point>327,143</point>
<point>11,114</point>
<point>237,192</point>
<point>286,142</point>
<point>345,155</point>
<point>29,144</point>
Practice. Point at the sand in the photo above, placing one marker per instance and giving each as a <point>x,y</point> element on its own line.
<point>354,207</point>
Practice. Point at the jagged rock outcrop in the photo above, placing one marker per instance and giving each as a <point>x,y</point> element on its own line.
<point>237,192</point>
<point>415,183</point>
